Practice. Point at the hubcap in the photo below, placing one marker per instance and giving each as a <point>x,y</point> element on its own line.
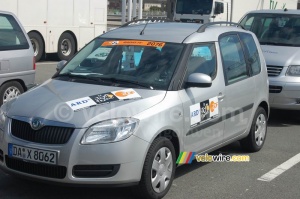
<point>162,168</point>
<point>35,45</point>
<point>10,93</point>
<point>260,129</point>
<point>66,47</point>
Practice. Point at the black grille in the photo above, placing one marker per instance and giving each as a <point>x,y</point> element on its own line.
<point>1,155</point>
<point>50,171</point>
<point>45,135</point>
<point>95,171</point>
<point>275,89</point>
<point>274,70</point>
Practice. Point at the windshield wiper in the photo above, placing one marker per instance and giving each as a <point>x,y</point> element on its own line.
<point>112,79</point>
<point>76,76</point>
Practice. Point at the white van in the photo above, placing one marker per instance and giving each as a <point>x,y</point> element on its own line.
<point>278,32</point>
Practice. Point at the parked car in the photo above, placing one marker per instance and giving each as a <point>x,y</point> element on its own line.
<point>123,118</point>
<point>278,32</point>
<point>17,65</point>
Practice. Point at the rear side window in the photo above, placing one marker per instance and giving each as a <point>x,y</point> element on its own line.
<point>11,35</point>
<point>254,60</point>
<point>234,62</point>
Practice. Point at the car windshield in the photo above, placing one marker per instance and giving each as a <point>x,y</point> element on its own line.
<point>194,6</point>
<point>274,29</point>
<point>127,63</point>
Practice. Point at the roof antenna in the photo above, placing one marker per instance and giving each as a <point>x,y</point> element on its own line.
<point>143,31</point>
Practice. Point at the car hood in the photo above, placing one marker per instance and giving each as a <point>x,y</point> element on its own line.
<point>281,55</point>
<point>48,102</point>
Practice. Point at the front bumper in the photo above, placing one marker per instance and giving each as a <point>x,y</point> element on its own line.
<point>287,95</point>
<point>127,156</point>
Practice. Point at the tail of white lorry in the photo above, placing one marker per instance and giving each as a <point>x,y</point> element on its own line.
<point>59,26</point>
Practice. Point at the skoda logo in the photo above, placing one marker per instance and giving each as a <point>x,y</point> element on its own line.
<point>36,124</point>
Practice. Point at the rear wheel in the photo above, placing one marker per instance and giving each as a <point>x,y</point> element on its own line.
<point>10,90</point>
<point>66,46</point>
<point>257,136</point>
<point>158,171</point>
<point>37,44</point>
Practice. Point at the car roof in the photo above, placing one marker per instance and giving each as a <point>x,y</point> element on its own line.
<point>6,12</point>
<point>174,32</point>
<point>281,11</point>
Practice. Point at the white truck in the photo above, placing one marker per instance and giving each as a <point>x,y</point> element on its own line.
<point>59,26</point>
<point>203,11</point>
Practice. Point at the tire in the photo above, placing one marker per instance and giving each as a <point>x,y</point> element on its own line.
<point>9,91</point>
<point>257,135</point>
<point>37,44</point>
<point>66,46</point>
<point>165,173</point>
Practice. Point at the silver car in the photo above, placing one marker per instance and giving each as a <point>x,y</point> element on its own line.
<point>17,65</point>
<point>278,32</point>
<point>121,111</point>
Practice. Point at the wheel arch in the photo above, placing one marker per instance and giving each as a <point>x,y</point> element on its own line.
<point>16,80</point>
<point>173,137</point>
<point>265,106</point>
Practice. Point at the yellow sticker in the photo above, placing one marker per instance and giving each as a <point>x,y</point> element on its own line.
<point>134,43</point>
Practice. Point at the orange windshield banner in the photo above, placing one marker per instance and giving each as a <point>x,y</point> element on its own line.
<point>134,43</point>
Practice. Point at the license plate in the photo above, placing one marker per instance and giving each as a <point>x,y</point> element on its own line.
<point>32,154</point>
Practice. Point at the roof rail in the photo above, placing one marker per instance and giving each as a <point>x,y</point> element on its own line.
<point>204,26</point>
<point>147,20</point>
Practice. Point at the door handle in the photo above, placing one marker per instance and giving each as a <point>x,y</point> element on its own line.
<point>221,96</point>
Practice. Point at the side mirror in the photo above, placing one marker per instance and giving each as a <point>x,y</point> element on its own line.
<point>60,65</point>
<point>199,80</point>
<point>219,8</point>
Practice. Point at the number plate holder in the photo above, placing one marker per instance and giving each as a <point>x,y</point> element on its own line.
<point>32,154</point>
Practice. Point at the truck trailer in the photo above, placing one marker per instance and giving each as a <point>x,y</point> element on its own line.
<point>59,26</point>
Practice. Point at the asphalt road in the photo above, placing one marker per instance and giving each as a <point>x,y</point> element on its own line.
<point>198,180</point>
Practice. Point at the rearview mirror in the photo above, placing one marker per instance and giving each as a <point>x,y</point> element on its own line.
<point>219,8</point>
<point>199,80</point>
<point>60,65</point>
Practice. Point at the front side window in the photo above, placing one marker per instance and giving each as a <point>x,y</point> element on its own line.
<point>274,29</point>
<point>194,6</point>
<point>129,63</point>
<point>11,35</point>
<point>202,60</point>
<point>234,63</point>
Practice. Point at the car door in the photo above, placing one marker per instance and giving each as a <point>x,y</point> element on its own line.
<point>240,87</point>
<point>203,125</point>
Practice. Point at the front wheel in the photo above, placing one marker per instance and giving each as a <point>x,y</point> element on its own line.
<point>158,171</point>
<point>66,46</point>
<point>257,135</point>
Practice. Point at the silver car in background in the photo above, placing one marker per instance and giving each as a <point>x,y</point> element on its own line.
<point>17,64</point>
<point>278,32</point>
<point>125,107</point>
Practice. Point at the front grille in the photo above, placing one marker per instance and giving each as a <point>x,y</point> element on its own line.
<point>45,135</point>
<point>275,89</point>
<point>50,171</point>
<point>95,171</point>
<point>274,71</point>
<point>1,155</point>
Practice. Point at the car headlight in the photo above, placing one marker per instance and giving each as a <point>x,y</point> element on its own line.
<point>293,71</point>
<point>2,119</point>
<point>110,131</point>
